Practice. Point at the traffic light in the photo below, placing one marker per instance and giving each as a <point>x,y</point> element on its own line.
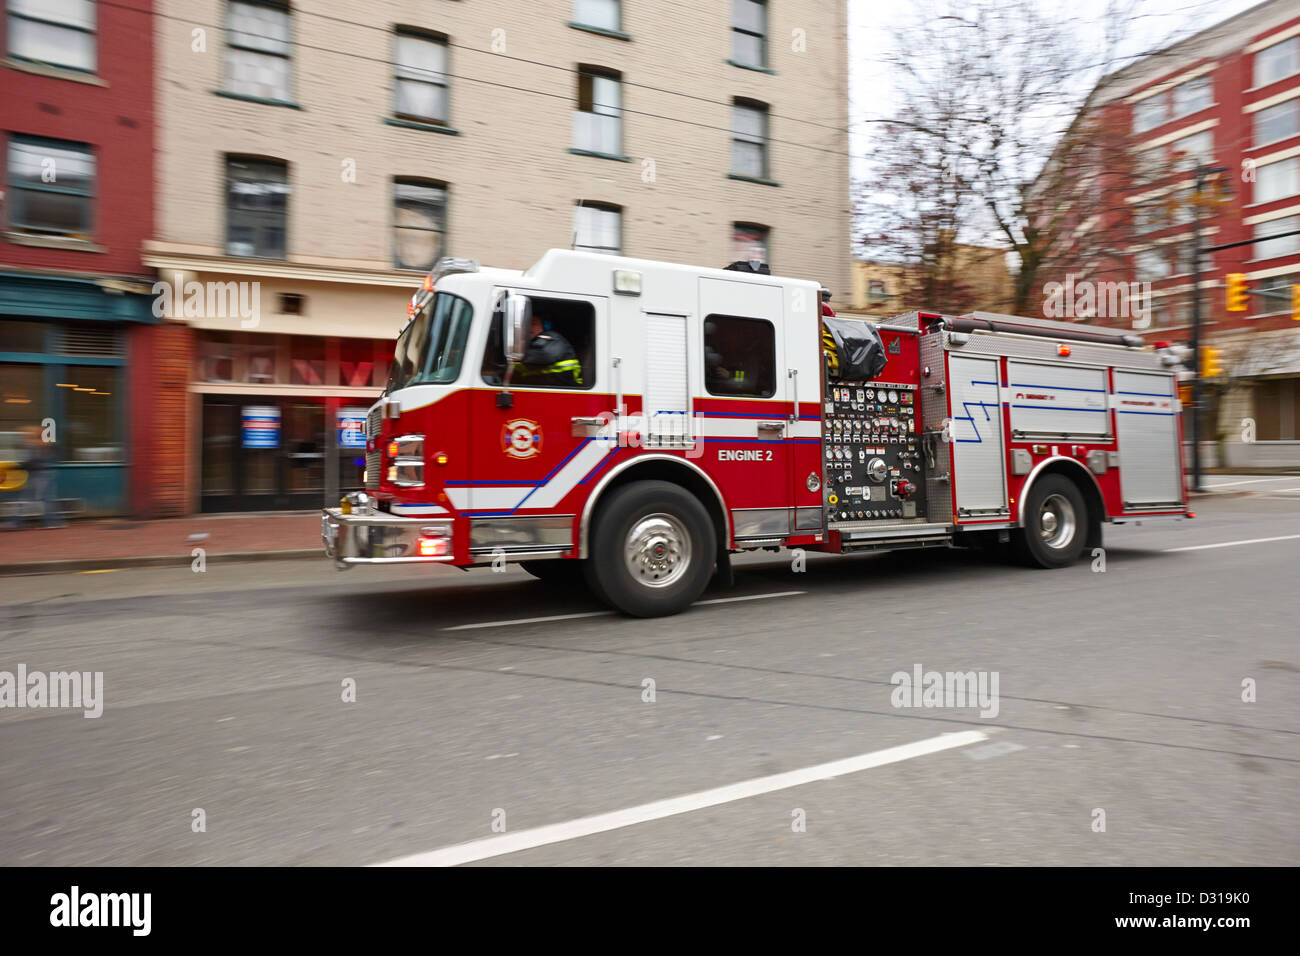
<point>1210,366</point>
<point>1238,296</point>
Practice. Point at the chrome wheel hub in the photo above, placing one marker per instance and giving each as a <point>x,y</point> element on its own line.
<point>657,550</point>
<point>1057,521</point>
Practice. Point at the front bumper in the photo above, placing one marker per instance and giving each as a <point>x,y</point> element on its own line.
<point>374,537</point>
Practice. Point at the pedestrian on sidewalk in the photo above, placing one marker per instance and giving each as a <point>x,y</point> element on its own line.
<point>40,478</point>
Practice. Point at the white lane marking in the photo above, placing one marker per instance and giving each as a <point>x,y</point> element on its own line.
<point>1246,481</point>
<point>659,809</point>
<point>1233,544</point>
<point>569,617</point>
<point>529,620</point>
<point>750,597</point>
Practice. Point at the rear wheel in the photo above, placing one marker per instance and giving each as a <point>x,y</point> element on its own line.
<point>652,549</point>
<point>1056,524</point>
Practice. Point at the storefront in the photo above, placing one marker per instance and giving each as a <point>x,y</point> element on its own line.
<point>64,348</point>
<point>282,418</point>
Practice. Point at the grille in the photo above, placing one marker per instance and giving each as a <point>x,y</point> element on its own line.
<point>88,340</point>
<point>373,421</point>
<point>372,470</point>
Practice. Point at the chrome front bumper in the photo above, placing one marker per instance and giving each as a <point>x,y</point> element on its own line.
<point>374,537</point>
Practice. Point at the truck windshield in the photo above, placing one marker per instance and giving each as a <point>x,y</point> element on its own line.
<point>431,347</point>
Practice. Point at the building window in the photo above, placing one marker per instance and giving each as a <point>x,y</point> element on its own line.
<point>1192,151</point>
<point>1280,286</point>
<point>739,356</point>
<point>257,51</point>
<point>1277,180</point>
<point>1193,96</point>
<point>749,32</point>
<point>598,228</point>
<point>1149,113</point>
<point>749,241</point>
<point>1277,62</point>
<point>876,289</point>
<point>51,186</point>
<point>58,34</point>
<point>597,122</point>
<point>1285,246</point>
<point>1151,266</point>
<point>749,139</point>
<point>419,223</point>
<point>1277,122</point>
<point>92,429</point>
<point>421,80</point>
<point>257,201</point>
<point>601,14</point>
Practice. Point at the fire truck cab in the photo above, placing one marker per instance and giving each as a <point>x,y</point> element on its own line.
<point>708,411</point>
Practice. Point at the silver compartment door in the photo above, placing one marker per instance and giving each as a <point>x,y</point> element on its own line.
<point>1146,420</point>
<point>667,407</point>
<point>979,455</point>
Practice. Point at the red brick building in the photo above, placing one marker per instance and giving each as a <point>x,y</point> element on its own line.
<point>1228,96</point>
<point>80,348</point>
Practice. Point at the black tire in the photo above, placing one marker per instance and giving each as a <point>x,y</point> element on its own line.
<point>652,549</point>
<point>1056,524</point>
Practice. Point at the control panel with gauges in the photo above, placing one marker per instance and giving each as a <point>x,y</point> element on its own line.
<point>871,425</point>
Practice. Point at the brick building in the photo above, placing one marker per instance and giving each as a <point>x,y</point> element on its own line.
<point>77,126</point>
<point>320,155</point>
<point>1228,96</point>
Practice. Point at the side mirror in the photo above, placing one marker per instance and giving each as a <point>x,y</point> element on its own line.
<point>518,316</point>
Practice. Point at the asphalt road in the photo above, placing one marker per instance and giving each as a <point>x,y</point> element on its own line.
<point>1118,691</point>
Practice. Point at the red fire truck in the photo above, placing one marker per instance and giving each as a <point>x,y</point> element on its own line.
<point>712,411</point>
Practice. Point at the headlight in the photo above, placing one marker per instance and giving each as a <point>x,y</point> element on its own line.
<point>406,461</point>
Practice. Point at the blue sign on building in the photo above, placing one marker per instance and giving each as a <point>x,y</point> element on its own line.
<point>352,427</point>
<point>261,426</point>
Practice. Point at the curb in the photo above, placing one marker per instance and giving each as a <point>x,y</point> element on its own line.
<point>153,561</point>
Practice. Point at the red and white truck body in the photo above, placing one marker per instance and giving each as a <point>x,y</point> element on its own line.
<point>713,415</point>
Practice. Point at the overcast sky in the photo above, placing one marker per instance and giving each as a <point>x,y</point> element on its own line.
<point>870,41</point>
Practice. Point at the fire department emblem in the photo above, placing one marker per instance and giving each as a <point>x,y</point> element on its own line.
<point>521,438</point>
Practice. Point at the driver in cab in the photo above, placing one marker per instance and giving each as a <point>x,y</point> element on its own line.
<point>549,358</point>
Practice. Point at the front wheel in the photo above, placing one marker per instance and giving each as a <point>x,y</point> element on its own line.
<point>652,549</point>
<point>1056,524</point>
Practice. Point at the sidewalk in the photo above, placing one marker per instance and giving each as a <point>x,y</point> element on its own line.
<point>99,544</point>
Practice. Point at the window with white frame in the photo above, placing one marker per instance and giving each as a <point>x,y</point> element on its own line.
<point>1149,113</point>
<point>602,14</point>
<point>1285,246</point>
<point>1193,96</point>
<point>749,32</point>
<point>1277,180</point>
<point>53,32</point>
<point>1277,62</point>
<point>1192,151</point>
<point>1280,121</point>
<point>258,50</point>
<point>1151,265</point>
<point>597,122</point>
<point>420,83</point>
<point>749,139</point>
<point>598,227</point>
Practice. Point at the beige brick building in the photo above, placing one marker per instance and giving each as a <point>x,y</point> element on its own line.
<point>297,143</point>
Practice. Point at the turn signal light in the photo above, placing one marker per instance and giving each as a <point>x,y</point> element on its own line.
<point>1062,350</point>
<point>440,458</point>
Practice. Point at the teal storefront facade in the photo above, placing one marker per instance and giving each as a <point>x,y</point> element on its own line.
<point>65,346</point>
